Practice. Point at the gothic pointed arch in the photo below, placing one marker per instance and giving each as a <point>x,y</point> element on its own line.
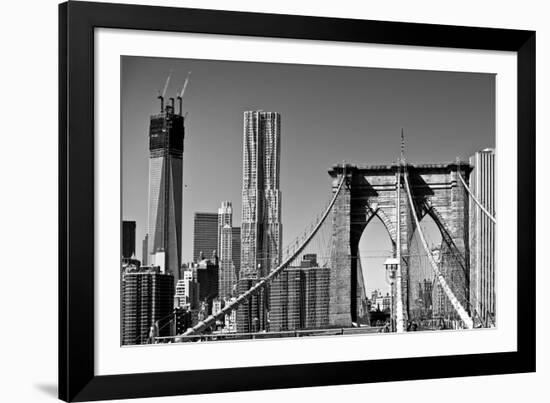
<point>375,210</point>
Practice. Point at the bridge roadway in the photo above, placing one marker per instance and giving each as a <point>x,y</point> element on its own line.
<point>270,335</point>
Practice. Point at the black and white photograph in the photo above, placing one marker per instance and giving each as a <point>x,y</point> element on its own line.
<point>267,202</point>
<point>271,200</point>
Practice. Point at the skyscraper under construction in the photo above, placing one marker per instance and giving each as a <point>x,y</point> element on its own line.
<point>261,229</point>
<point>166,134</point>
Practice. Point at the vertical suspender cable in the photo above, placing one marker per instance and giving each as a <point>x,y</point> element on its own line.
<point>400,326</point>
<point>468,323</point>
<point>209,321</point>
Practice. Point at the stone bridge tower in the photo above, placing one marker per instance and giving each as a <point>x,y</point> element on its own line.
<point>372,190</point>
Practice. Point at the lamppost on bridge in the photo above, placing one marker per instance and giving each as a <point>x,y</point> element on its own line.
<point>391,265</point>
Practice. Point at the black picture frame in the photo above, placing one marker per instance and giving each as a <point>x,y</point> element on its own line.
<point>77,21</point>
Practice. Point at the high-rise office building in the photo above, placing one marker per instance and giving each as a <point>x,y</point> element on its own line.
<point>166,134</point>
<point>315,297</point>
<point>225,217</point>
<point>261,228</point>
<point>144,250</point>
<point>181,297</point>
<point>147,302</point>
<point>482,237</point>
<point>205,235</point>
<point>299,298</point>
<point>284,296</point>
<point>128,239</point>
<point>206,274</point>
<point>186,289</point>
<point>251,315</point>
<point>236,253</point>
<point>227,275</point>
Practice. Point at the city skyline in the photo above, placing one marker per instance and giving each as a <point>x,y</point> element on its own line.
<point>309,138</point>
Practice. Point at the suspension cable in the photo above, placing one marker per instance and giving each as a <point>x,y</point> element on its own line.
<point>206,323</point>
<point>476,200</point>
<point>454,301</point>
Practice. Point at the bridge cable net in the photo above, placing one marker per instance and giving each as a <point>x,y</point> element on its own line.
<point>304,283</point>
<point>145,336</point>
<point>301,246</point>
<point>423,291</point>
<point>474,300</point>
<point>468,323</point>
<point>429,306</point>
<point>481,207</point>
<point>452,264</point>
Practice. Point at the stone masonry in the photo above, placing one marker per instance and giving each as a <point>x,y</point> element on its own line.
<point>372,190</point>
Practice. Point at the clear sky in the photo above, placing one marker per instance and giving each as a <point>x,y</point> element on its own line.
<point>328,114</point>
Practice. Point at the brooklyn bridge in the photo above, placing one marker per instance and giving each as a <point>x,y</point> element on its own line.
<point>400,195</point>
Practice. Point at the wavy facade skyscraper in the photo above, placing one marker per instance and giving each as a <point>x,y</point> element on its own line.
<point>166,134</point>
<point>261,228</point>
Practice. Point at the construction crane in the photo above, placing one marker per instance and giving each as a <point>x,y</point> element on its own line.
<point>182,92</point>
<point>161,95</point>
